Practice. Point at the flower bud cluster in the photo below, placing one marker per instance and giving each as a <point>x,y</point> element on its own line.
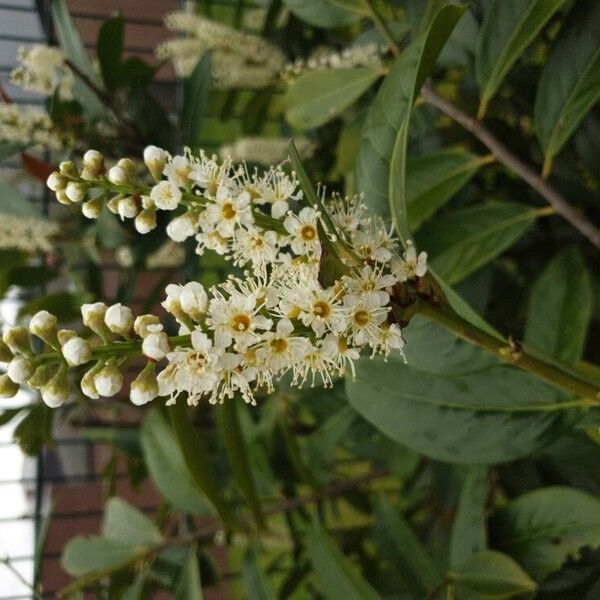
<point>279,318</point>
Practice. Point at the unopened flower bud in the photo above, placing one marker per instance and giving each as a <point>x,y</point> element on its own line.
<point>156,345</point>
<point>127,207</point>
<point>183,227</point>
<point>119,319</point>
<point>146,324</point>
<point>44,325</point>
<point>19,369</point>
<point>155,159</point>
<point>57,391</point>
<point>144,387</point>
<point>117,175</point>
<point>128,167</point>
<point>93,159</point>
<point>56,182</point>
<point>62,197</point>
<point>193,300</point>
<point>113,205</point>
<point>88,387</point>
<point>108,380</point>
<point>42,376</point>
<point>17,339</point>
<point>75,191</point>
<point>5,353</point>
<point>77,351</point>
<point>8,388</point>
<point>172,303</point>
<point>145,222</point>
<point>92,208</point>
<point>64,335</point>
<point>93,317</point>
<point>68,168</point>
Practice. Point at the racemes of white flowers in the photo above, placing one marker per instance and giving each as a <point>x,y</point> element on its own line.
<point>241,336</point>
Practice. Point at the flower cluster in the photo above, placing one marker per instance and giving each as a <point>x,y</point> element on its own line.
<point>278,318</point>
<point>363,55</point>
<point>43,71</point>
<point>29,234</point>
<point>30,126</point>
<point>239,59</point>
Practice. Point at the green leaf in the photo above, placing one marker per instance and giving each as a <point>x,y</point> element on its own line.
<point>125,523</point>
<point>509,27</point>
<point>136,590</point>
<point>433,179</point>
<point>195,97</point>
<point>541,529</point>
<point>326,13</point>
<point>194,454</point>
<point>189,586</point>
<point>167,466</point>
<point>465,239</point>
<point>35,430</point>
<point>480,417</point>
<point>381,162</point>
<point>75,51</point>
<point>228,421</point>
<point>64,305</point>
<point>28,276</point>
<point>570,82</point>
<point>318,96</point>
<point>560,307</point>
<point>336,575</point>
<point>468,531</point>
<point>110,50</point>
<point>492,576</point>
<point>402,547</point>
<point>84,555</point>
<point>14,202</point>
<point>256,586</point>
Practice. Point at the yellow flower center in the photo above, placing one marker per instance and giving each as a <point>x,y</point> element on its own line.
<point>241,322</point>
<point>279,345</point>
<point>361,317</point>
<point>228,211</point>
<point>308,233</point>
<point>321,309</point>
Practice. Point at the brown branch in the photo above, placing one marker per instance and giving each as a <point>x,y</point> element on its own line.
<point>515,164</point>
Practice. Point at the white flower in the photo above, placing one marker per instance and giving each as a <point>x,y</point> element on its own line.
<point>371,280</point>
<point>236,319</point>
<point>337,349</point>
<point>210,175</point>
<point>279,350</point>
<point>166,195</point>
<point>234,377</point>
<point>228,212</point>
<point>156,345</point>
<point>178,170</point>
<point>19,370</point>
<point>119,319</point>
<point>76,351</point>
<point>193,300</point>
<point>374,243</point>
<point>321,310</point>
<point>182,227</point>
<point>258,247</point>
<point>411,265</point>
<point>366,315</point>
<point>75,191</point>
<point>155,159</point>
<point>277,189</point>
<point>304,231</point>
<point>108,380</point>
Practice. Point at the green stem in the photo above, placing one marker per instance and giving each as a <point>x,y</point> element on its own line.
<point>380,24</point>
<point>511,353</point>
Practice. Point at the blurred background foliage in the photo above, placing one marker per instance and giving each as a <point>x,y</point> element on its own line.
<point>445,476</point>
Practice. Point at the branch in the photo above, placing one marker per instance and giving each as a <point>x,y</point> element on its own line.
<point>208,532</point>
<point>515,164</point>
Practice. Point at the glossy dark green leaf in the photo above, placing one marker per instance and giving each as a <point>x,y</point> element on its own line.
<point>35,430</point>
<point>326,13</point>
<point>75,51</point>
<point>135,591</point>
<point>481,417</point>
<point>401,546</point>
<point>509,27</point>
<point>195,97</point>
<point>560,308</point>
<point>433,179</point>
<point>570,82</point>
<point>238,454</point>
<point>125,523</point>
<point>28,276</point>
<point>84,555</point>
<point>468,531</point>
<point>542,528</point>
<point>110,50</point>
<point>381,162</point>
<point>255,584</point>
<point>491,575</point>
<point>193,452</point>
<point>167,466</point>
<point>316,97</point>
<point>464,240</point>
<point>64,305</point>
<point>337,577</point>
